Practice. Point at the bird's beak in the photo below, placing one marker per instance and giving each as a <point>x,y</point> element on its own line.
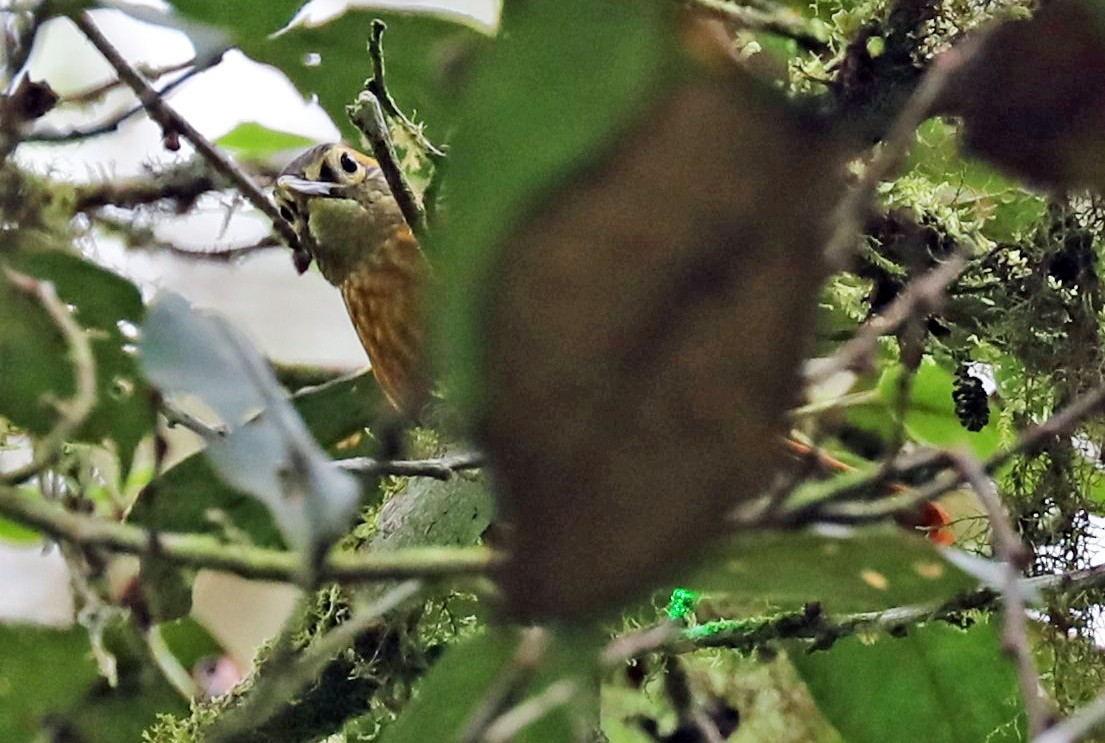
<point>303,187</point>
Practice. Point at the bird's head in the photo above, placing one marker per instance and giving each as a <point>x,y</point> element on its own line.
<point>336,199</point>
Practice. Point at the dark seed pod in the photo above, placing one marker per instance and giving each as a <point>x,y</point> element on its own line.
<point>971,401</point>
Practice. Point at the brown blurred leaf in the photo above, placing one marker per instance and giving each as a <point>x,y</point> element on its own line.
<point>1031,96</point>
<point>643,340</point>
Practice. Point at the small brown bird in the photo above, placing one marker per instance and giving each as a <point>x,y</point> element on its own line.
<point>340,205</point>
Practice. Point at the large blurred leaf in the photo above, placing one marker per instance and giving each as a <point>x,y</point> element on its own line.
<point>535,110</point>
<point>183,498</point>
<point>267,450</point>
<point>103,304</point>
<point>1030,96</point>
<point>50,689</point>
<point>331,61</point>
<point>618,320</point>
<point>862,570</point>
<point>939,684</point>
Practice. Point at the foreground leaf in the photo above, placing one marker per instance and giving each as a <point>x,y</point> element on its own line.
<point>267,450</point>
<point>864,570</point>
<point>458,686</point>
<point>939,684</point>
<point>1030,96</point>
<point>634,286</point>
<point>186,497</point>
<point>50,689</point>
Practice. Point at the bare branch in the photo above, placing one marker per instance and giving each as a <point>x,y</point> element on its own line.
<point>512,722</point>
<point>143,238</point>
<point>440,468</point>
<point>838,506</point>
<point>110,125</point>
<point>513,678</point>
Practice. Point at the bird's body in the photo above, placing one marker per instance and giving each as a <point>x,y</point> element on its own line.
<point>341,207</point>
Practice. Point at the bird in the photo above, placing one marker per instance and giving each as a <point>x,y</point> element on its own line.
<point>339,204</point>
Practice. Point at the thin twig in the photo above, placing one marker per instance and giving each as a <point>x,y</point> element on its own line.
<point>1009,549</point>
<point>95,92</point>
<point>836,506</point>
<point>73,412</point>
<point>112,124</point>
<point>176,416</point>
<point>143,238</point>
<point>1077,726</point>
<point>369,118</point>
<point>182,184</point>
<point>172,124</point>
<point>439,468</point>
<point>921,297</point>
<point>778,20</point>
<point>379,87</point>
<point>201,551</point>
<point>162,658</point>
<point>368,113</point>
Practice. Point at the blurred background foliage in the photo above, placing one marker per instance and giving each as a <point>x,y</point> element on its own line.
<point>554,110</point>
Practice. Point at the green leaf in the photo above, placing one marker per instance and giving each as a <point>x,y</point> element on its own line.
<point>267,450</point>
<point>861,570</point>
<point>49,683</point>
<point>460,682</point>
<point>104,304</point>
<point>930,415</point>
<point>252,140</point>
<point>939,684</point>
<point>13,533</point>
<point>331,61</point>
<point>183,498</point>
<point>34,362</point>
<point>189,641</point>
<point>1008,207</point>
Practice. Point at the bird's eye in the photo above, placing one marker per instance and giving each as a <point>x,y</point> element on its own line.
<point>348,164</point>
<point>286,213</point>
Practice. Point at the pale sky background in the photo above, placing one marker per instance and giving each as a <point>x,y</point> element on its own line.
<point>292,318</point>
